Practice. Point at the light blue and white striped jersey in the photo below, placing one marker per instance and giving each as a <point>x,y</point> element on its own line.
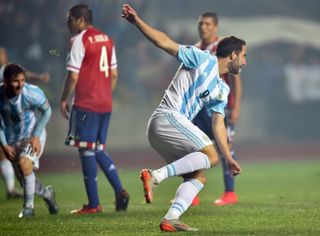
<point>197,84</point>
<point>18,114</point>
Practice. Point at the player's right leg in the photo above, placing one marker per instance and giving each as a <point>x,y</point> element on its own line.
<point>180,143</point>
<point>28,183</point>
<point>8,176</point>
<point>192,185</point>
<point>84,126</point>
<point>89,170</point>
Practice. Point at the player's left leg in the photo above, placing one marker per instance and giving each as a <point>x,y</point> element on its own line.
<point>84,125</point>
<point>28,162</point>
<point>107,165</point>
<point>192,185</point>
<point>28,182</point>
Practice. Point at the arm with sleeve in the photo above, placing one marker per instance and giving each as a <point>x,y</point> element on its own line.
<point>191,57</point>
<point>40,103</point>
<point>216,106</point>
<point>76,54</point>
<point>3,139</point>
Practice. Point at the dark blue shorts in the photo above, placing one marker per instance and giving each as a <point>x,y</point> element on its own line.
<point>203,121</point>
<point>88,129</point>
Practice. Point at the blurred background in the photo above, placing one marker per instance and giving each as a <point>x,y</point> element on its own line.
<point>280,110</point>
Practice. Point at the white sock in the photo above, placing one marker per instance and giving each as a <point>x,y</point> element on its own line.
<point>29,184</point>
<point>8,174</point>
<point>187,164</point>
<point>41,190</point>
<point>184,196</point>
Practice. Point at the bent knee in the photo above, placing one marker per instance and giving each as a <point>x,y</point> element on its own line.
<point>26,166</point>
<point>212,154</point>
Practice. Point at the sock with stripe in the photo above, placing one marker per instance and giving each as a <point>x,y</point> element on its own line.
<point>89,170</point>
<point>109,169</point>
<point>29,190</point>
<point>227,177</point>
<point>8,174</point>
<point>187,164</point>
<point>41,190</point>
<point>183,199</point>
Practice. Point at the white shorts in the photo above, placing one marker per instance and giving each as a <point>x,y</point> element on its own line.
<point>174,136</point>
<point>24,149</point>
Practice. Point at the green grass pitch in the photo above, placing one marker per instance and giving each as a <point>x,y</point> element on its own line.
<point>275,199</point>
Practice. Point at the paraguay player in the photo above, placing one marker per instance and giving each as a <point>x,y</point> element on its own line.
<point>92,73</point>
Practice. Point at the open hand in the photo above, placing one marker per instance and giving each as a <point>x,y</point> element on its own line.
<point>36,145</point>
<point>64,108</point>
<point>10,152</point>
<point>129,13</point>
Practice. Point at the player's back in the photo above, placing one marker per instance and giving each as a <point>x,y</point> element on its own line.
<point>93,52</point>
<point>212,47</point>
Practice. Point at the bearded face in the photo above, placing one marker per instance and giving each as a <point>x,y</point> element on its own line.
<point>235,66</point>
<point>238,62</point>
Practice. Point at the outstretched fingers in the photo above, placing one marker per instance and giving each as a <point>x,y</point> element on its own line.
<point>128,13</point>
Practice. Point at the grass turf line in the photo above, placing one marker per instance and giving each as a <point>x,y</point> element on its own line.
<point>274,199</point>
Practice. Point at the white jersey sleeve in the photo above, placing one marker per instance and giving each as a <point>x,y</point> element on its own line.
<point>76,54</point>
<point>113,59</point>
<point>220,101</point>
<point>191,57</point>
<point>36,97</point>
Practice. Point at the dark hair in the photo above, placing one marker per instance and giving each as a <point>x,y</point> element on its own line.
<point>12,70</point>
<point>228,45</point>
<point>81,10</point>
<point>212,15</point>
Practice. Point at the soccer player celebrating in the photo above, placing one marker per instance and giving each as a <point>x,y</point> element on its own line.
<point>24,112</point>
<point>208,23</point>
<point>92,73</point>
<point>5,165</point>
<point>186,149</point>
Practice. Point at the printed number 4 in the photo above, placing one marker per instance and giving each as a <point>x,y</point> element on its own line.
<point>104,66</point>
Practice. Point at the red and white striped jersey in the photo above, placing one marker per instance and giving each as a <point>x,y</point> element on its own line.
<point>92,55</point>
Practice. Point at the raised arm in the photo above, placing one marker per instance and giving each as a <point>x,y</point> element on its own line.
<point>157,37</point>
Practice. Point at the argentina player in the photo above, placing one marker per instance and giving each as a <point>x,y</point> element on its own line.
<point>23,135</point>
<point>171,133</point>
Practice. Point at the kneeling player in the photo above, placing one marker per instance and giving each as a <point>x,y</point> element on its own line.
<point>23,135</point>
